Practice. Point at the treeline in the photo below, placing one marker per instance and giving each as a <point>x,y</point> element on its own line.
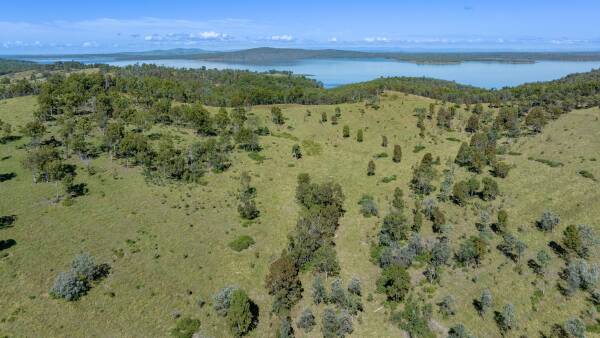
<point>15,66</point>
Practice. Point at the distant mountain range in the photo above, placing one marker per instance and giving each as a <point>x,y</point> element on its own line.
<point>267,55</point>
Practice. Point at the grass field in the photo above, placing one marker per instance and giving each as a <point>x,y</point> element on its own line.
<point>168,245</point>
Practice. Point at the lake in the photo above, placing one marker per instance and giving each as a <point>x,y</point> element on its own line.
<point>336,72</point>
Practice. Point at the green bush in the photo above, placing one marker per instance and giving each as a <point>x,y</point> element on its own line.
<point>185,327</point>
<point>241,243</point>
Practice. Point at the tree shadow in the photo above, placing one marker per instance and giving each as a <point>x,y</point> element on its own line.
<point>10,138</point>
<point>255,311</point>
<point>7,221</point>
<point>8,243</point>
<point>77,190</point>
<point>7,176</point>
<point>558,249</point>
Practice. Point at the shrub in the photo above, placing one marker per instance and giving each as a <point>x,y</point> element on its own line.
<point>460,193</point>
<point>440,252</point>
<point>241,243</point>
<point>283,283</point>
<point>333,326</point>
<point>296,152</point>
<point>185,327</point>
<point>277,115</point>
<point>580,275</point>
<point>73,284</point>
<point>368,207</point>
<point>306,321</point>
<point>398,199</point>
<point>70,286</point>
<point>394,282</point>
<point>512,247</point>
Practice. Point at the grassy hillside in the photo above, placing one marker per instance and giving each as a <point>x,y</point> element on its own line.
<point>168,244</point>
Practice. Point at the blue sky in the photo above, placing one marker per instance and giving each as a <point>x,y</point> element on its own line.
<point>39,26</point>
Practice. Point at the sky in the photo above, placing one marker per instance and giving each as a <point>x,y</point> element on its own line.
<point>54,27</point>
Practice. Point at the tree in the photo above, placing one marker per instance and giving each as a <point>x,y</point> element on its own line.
<point>359,135</point>
<point>354,286</point>
<point>500,169</point>
<point>512,247</point>
<point>506,319</point>
<point>471,251</point>
<point>447,185</point>
<point>5,130</point>
<point>337,295</point>
<point>323,117</point>
<point>277,115</point>
<point>371,168</point>
<point>440,252</point>
<point>448,306</point>
<point>283,283</point>
<point>222,120</point>
<point>296,152</point>
<point>384,141</point>
<point>490,189</point>
<point>574,327</point>
<point>306,321</point>
<point>398,200</point>
<point>318,292</point>
<point>346,131</point>
<point>548,221</point>
<point>239,315</point>
<point>222,300</point>
<point>394,282</point>
<point>580,239</point>
<point>458,331</point>
<point>423,175</point>
<point>536,119</point>
<point>285,329</point>
<point>502,224</point>
<point>397,154</point>
<point>460,193</point>
<point>472,124</point>
<point>35,130</point>
<point>325,260</point>
<point>115,132</point>
<point>485,302</point>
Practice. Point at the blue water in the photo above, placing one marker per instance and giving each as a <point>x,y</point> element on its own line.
<point>338,72</point>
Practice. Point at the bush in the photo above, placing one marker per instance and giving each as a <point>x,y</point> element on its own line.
<point>336,326</point>
<point>368,207</point>
<point>325,260</point>
<point>506,319</point>
<point>397,154</point>
<point>458,331</point>
<point>241,243</point>
<point>69,286</point>
<point>338,295</point>
<point>306,321</point>
<point>471,251</point>
<point>73,284</point>
<point>490,189</point>
<point>185,327</point>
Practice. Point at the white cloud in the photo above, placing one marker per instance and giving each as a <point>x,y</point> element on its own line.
<point>377,39</point>
<point>284,37</point>
<point>333,39</point>
<point>89,44</point>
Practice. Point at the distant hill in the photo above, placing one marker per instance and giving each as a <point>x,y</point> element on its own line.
<point>268,55</point>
